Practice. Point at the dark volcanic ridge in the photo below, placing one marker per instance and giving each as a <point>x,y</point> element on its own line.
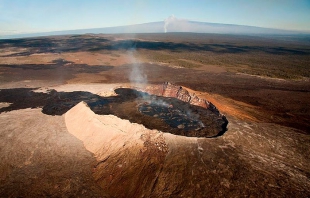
<point>165,107</point>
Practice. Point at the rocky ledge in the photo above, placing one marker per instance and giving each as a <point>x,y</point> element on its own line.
<point>168,89</point>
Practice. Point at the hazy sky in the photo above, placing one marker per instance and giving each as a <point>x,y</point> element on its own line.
<point>23,16</point>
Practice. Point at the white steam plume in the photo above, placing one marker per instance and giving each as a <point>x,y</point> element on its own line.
<point>168,20</point>
<point>136,77</point>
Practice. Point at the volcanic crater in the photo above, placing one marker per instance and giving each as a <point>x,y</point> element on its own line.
<point>185,113</point>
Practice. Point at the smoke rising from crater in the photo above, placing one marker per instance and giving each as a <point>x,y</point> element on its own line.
<point>139,79</point>
<point>136,76</point>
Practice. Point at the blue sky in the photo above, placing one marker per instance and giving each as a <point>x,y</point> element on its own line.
<point>24,16</point>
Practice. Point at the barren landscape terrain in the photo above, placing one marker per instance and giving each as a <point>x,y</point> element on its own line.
<point>93,116</point>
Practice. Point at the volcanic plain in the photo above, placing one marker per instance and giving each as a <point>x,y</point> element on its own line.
<point>155,115</point>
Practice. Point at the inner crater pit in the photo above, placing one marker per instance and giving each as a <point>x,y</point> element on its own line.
<point>168,108</point>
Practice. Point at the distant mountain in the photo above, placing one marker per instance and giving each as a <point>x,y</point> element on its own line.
<point>171,24</point>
